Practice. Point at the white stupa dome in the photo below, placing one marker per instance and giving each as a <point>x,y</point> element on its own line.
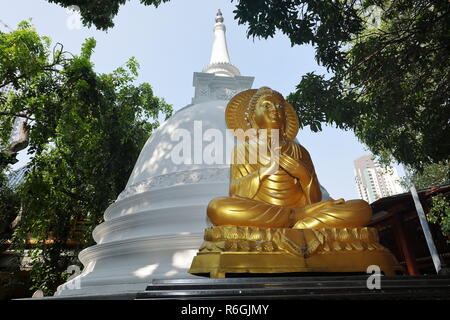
<point>155,227</point>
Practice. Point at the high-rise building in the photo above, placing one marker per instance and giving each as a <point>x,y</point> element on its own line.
<point>373,181</point>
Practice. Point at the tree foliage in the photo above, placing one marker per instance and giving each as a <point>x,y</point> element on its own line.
<point>390,78</point>
<point>85,133</point>
<point>439,205</point>
<point>9,208</point>
<point>440,213</point>
<point>432,175</point>
<point>100,13</point>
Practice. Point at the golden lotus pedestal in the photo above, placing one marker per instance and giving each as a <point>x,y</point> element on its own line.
<point>232,249</point>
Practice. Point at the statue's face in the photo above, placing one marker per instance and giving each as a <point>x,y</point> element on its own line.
<point>269,113</point>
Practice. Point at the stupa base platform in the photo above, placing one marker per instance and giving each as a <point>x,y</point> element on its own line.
<point>299,288</point>
<point>251,250</point>
<point>318,287</point>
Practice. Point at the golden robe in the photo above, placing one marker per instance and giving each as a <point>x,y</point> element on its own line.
<point>289,197</point>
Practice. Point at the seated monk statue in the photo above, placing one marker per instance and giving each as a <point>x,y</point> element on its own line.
<point>280,193</point>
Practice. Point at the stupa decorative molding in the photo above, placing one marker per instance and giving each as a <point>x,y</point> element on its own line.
<point>210,175</point>
<point>209,86</point>
<point>224,69</point>
<point>139,245</point>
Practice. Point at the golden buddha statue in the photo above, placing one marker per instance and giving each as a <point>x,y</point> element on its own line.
<point>274,219</point>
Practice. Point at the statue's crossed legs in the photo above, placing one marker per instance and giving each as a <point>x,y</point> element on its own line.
<point>325,214</point>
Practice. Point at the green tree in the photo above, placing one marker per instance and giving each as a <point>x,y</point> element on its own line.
<point>100,12</point>
<point>432,175</point>
<point>439,205</point>
<point>84,131</point>
<point>388,62</point>
<point>439,213</point>
<point>390,70</point>
<point>9,208</point>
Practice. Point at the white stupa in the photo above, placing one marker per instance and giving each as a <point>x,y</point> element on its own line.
<point>155,227</point>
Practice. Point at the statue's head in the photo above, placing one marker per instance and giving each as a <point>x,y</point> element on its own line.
<point>267,109</point>
<point>262,109</point>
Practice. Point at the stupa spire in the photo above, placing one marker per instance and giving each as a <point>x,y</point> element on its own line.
<point>219,63</point>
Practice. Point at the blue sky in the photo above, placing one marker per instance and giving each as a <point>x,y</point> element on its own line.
<point>175,40</point>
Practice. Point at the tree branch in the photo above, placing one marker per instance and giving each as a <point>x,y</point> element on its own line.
<point>10,152</point>
<point>19,115</point>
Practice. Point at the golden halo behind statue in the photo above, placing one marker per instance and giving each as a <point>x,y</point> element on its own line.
<point>237,114</point>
